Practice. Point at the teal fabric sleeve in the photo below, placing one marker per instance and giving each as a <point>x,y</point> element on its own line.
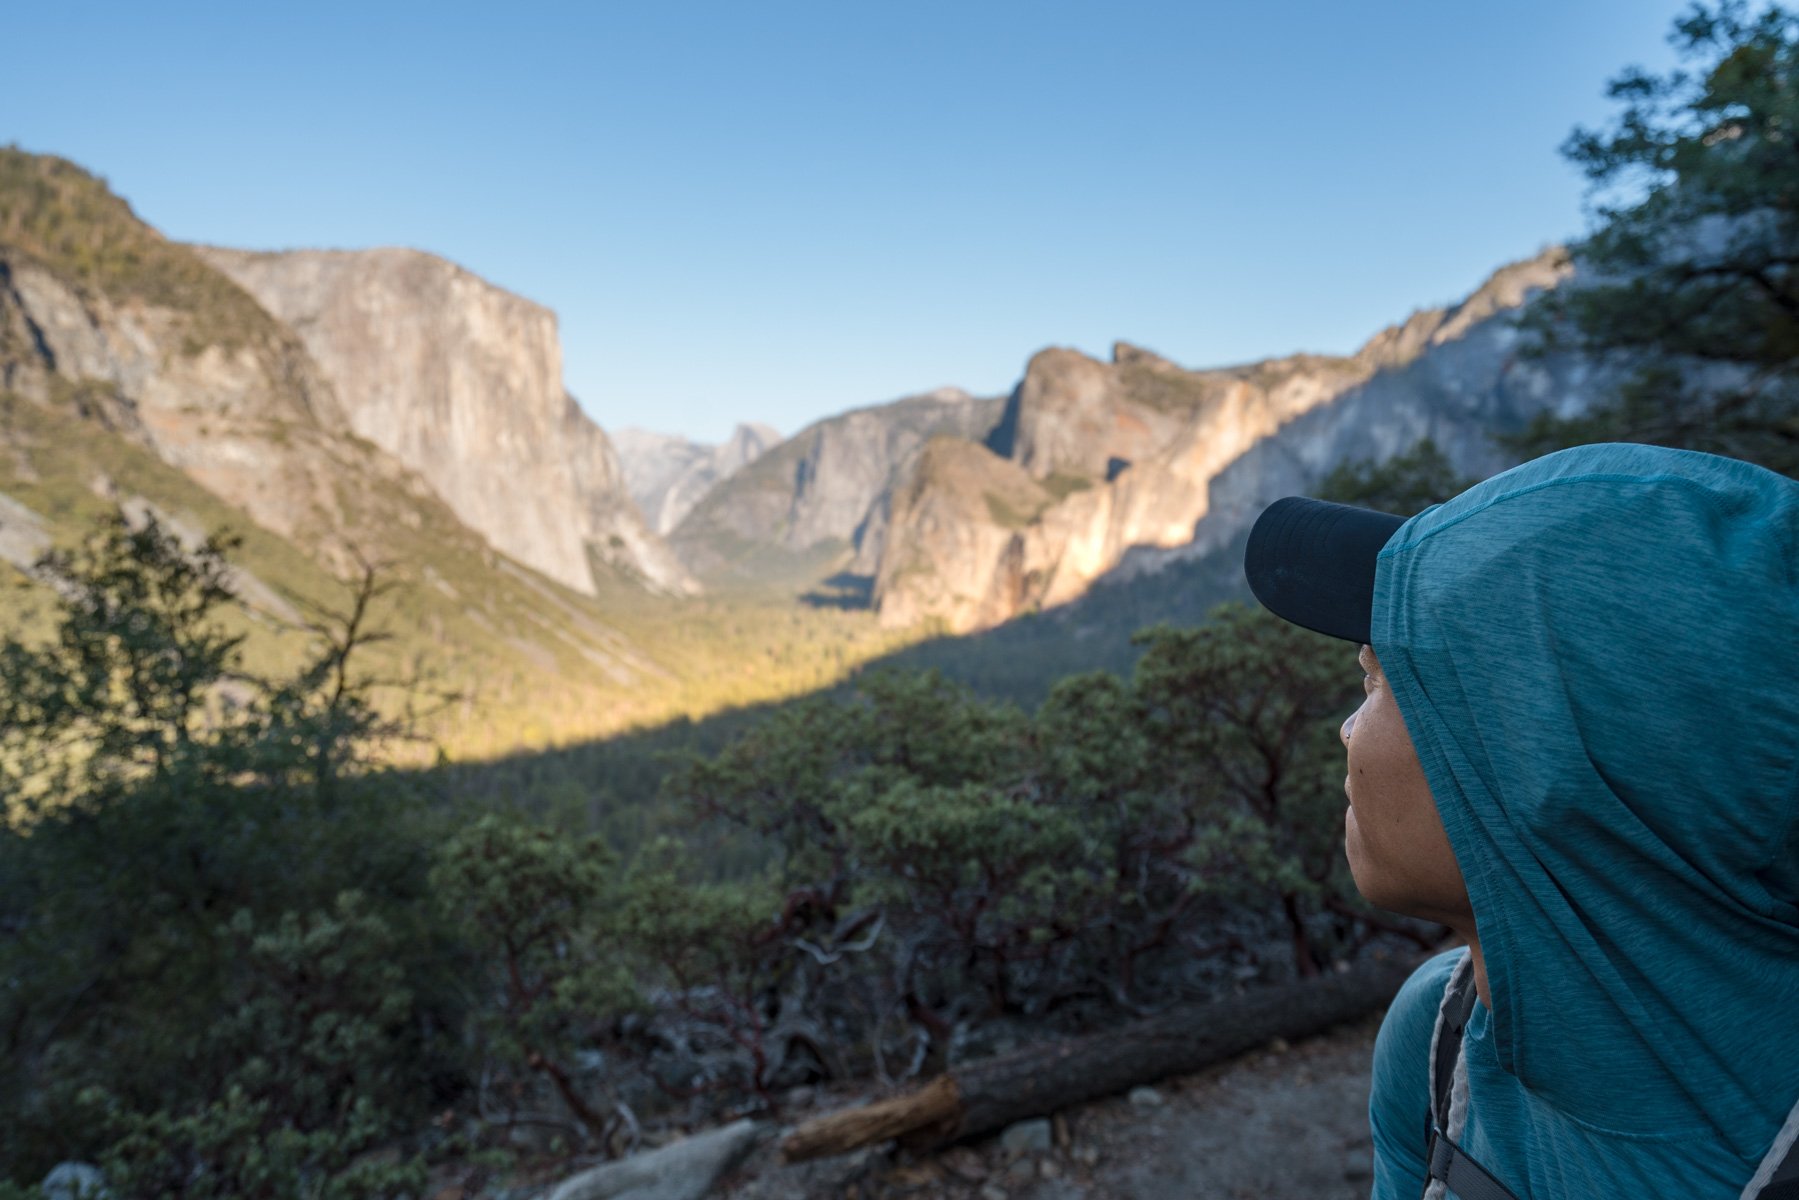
<point>1399,1098</point>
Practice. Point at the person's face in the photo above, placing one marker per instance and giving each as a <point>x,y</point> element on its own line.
<point>1398,851</point>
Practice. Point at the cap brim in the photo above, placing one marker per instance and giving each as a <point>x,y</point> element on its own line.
<point>1312,563</point>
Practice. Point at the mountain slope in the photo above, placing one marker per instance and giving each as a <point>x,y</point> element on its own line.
<point>462,382</point>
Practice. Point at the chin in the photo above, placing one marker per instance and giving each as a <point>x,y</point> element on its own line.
<point>1358,864</point>
<point>1380,899</point>
<point>1368,882</point>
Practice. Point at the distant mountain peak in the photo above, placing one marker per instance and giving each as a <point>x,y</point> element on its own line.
<point>1125,352</point>
<point>668,474</point>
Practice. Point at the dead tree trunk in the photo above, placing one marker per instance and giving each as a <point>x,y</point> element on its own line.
<point>981,1097</point>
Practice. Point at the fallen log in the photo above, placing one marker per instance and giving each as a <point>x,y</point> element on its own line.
<point>990,1094</point>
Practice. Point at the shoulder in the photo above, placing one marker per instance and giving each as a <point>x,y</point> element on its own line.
<point>1399,1099</point>
<point>1413,1014</point>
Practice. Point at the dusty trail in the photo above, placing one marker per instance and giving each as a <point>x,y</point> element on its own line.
<point>1278,1124</point>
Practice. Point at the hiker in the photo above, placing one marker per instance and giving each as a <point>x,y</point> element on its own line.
<point>1579,750</point>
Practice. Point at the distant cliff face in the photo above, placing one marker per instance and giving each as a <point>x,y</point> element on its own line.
<point>816,490</point>
<point>1086,419</point>
<point>462,382</point>
<point>959,503</point>
<point>1453,374</point>
<point>667,474</point>
<point>1137,458</point>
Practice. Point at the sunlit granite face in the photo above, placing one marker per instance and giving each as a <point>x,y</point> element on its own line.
<point>1137,461</point>
<point>462,382</point>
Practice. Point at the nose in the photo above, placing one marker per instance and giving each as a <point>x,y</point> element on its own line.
<point>1348,726</point>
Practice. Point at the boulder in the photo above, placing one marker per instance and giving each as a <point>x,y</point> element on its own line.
<point>75,1181</point>
<point>685,1170</point>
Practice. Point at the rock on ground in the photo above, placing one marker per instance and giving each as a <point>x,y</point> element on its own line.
<point>685,1170</point>
<point>75,1181</point>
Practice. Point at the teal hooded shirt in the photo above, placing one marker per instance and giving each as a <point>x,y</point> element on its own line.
<point>1597,657</point>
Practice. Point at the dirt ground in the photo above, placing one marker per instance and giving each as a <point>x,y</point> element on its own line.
<point>1283,1122</point>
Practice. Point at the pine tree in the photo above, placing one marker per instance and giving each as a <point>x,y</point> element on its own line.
<point>1689,279</point>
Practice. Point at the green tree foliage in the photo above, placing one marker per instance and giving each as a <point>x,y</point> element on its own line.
<point>877,809</point>
<point>208,894</point>
<point>1147,840</point>
<point>1245,708</point>
<point>606,990</point>
<point>975,876</point>
<point>733,993</point>
<point>323,1007</point>
<point>1405,484</point>
<point>1694,265</point>
<point>543,914</point>
<point>123,694</point>
<point>946,861</point>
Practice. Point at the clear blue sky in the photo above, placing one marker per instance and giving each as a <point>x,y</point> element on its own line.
<point>775,211</point>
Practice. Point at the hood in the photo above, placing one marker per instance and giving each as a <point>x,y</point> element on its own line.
<point>1597,657</point>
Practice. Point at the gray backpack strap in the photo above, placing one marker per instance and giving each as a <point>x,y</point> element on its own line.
<point>1448,1168</point>
<point>1778,1177</point>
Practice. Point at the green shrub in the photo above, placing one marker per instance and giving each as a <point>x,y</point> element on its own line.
<point>213,899</point>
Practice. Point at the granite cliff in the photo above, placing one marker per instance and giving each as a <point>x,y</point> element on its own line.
<point>1137,461</point>
<point>1455,374</point>
<point>808,499</point>
<point>667,474</point>
<point>461,381</point>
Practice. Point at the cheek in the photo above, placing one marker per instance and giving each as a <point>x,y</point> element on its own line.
<point>1368,759</point>
<point>1355,743</point>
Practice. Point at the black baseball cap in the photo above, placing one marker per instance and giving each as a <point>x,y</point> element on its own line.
<point>1312,563</point>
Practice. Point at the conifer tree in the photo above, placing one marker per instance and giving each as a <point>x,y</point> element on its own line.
<point>1690,280</point>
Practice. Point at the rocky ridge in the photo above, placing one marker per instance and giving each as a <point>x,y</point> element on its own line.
<point>1143,461</point>
<point>394,383</point>
<point>1456,375</point>
<point>667,474</point>
<point>461,381</point>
